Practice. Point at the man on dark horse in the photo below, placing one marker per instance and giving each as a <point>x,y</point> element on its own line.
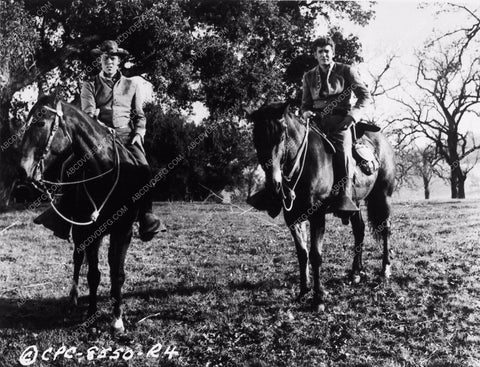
<point>327,89</point>
<point>116,101</point>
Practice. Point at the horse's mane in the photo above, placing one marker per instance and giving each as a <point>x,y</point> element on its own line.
<point>269,111</point>
<point>44,100</point>
<point>50,100</point>
<point>266,126</point>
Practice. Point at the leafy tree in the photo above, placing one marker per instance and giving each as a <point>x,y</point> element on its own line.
<point>224,54</point>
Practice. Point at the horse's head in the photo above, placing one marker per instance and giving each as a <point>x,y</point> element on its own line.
<point>45,138</point>
<point>269,136</point>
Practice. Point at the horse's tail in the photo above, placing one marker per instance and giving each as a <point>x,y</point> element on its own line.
<point>378,200</point>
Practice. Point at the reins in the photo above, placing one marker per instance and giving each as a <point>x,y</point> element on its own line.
<point>40,165</point>
<point>300,156</point>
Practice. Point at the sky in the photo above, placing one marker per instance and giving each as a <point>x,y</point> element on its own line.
<point>400,28</point>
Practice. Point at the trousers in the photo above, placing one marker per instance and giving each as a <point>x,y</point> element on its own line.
<point>137,151</point>
<point>342,140</point>
<point>125,136</point>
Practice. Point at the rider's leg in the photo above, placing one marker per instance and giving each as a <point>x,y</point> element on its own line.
<point>150,225</point>
<point>344,166</point>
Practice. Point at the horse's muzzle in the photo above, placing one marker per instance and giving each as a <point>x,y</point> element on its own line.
<point>277,180</point>
<point>28,170</point>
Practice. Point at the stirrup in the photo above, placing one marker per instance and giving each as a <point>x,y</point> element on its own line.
<point>346,204</point>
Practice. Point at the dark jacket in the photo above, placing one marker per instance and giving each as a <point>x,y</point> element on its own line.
<point>342,80</point>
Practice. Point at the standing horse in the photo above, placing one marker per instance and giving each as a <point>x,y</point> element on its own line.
<point>298,166</point>
<point>105,196</point>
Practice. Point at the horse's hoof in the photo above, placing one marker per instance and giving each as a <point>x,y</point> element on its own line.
<point>318,302</point>
<point>302,297</point>
<point>387,271</point>
<point>117,327</point>
<point>356,278</point>
<point>319,308</point>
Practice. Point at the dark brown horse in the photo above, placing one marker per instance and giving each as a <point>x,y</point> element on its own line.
<point>297,166</point>
<point>104,201</point>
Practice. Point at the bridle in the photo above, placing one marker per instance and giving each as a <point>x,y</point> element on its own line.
<point>299,164</point>
<point>40,166</point>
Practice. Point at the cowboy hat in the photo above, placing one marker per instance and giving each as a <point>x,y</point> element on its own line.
<point>109,47</point>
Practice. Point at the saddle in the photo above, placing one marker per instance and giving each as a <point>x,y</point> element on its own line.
<point>363,149</point>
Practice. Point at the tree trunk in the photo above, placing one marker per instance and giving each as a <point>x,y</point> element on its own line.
<point>457,181</point>
<point>453,184</point>
<point>461,185</point>
<point>426,187</point>
<point>7,167</point>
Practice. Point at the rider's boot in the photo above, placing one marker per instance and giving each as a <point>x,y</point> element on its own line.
<point>149,224</point>
<point>51,220</point>
<point>345,206</point>
<point>267,201</point>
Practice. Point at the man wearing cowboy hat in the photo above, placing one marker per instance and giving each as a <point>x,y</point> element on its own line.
<point>113,99</point>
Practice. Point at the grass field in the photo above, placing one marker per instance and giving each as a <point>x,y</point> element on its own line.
<point>219,287</point>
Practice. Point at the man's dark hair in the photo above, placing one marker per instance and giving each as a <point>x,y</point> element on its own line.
<point>322,42</point>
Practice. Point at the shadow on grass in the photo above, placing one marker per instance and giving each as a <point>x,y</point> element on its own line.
<point>33,314</point>
<point>52,313</point>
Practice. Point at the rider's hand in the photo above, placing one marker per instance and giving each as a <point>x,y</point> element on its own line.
<point>307,114</point>
<point>346,122</point>
<point>137,139</point>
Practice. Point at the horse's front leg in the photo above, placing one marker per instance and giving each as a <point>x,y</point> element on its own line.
<point>87,245</point>
<point>358,227</point>
<point>299,233</point>
<point>119,243</point>
<point>317,231</point>
<point>78,256</point>
<point>93,275</point>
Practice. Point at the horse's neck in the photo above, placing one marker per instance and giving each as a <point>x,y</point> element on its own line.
<point>296,134</point>
<point>92,143</point>
<point>313,143</point>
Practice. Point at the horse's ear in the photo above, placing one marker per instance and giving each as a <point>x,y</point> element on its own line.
<point>286,114</point>
<point>55,94</point>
